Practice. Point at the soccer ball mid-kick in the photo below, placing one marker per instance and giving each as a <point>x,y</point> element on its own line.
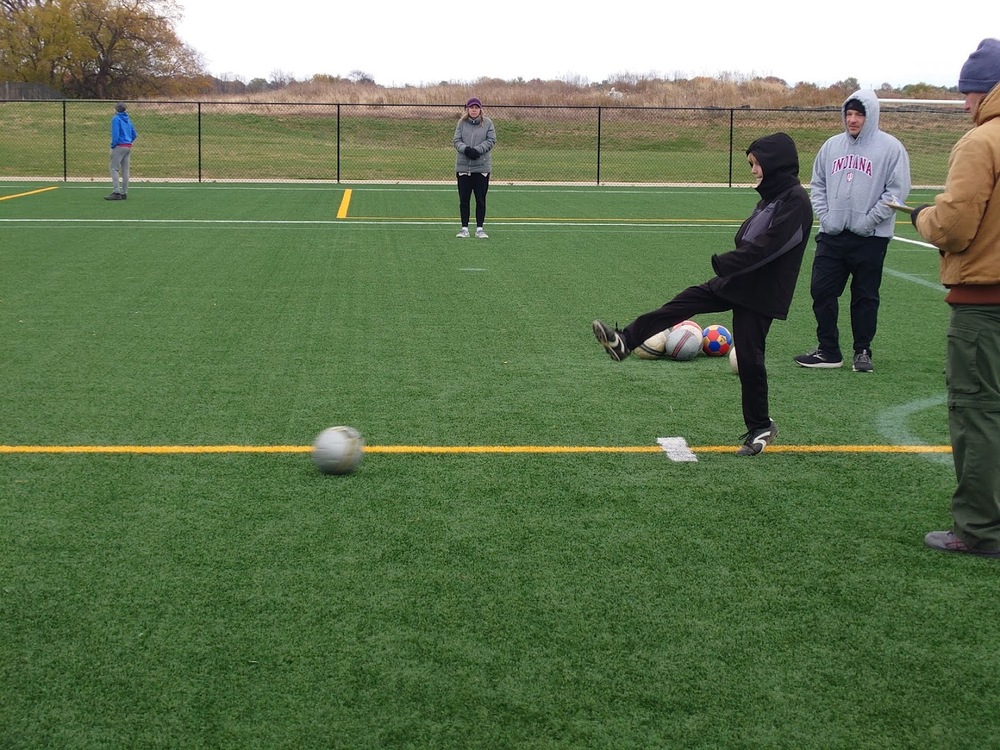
<point>338,450</point>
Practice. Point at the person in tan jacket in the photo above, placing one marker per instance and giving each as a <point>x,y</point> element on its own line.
<point>964,224</point>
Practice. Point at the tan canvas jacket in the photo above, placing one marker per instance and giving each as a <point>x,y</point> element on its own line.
<point>964,222</point>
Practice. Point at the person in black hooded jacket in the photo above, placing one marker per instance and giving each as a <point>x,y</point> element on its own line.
<point>756,281</point>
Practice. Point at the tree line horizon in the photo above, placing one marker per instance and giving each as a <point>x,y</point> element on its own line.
<point>130,49</point>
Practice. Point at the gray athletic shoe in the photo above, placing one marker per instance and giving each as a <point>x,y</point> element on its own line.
<point>946,541</point>
<point>863,362</point>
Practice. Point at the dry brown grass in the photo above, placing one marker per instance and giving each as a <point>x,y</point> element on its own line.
<point>724,91</point>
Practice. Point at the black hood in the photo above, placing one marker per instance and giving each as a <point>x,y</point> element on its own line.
<point>779,160</point>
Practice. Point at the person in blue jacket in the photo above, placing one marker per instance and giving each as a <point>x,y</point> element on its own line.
<point>123,135</point>
<point>756,281</point>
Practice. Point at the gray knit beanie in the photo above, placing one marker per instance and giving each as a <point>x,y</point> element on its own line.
<point>981,71</point>
<point>120,107</point>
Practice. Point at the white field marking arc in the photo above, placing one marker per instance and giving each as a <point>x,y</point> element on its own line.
<point>891,424</point>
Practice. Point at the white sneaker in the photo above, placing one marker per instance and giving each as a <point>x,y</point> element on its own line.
<point>464,233</point>
<point>480,234</point>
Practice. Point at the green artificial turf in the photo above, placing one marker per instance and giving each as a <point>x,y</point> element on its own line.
<point>459,600</point>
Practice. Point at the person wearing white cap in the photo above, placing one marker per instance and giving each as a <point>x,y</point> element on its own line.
<point>964,224</point>
<point>474,140</point>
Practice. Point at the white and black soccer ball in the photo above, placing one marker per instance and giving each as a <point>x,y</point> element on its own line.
<point>654,347</point>
<point>683,343</point>
<point>338,450</point>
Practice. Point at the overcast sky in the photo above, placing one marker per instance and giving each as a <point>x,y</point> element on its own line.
<point>429,41</point>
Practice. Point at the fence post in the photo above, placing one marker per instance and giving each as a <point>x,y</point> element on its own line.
<point>338,143</point>
<point>731,138</point>
<point>65,146</point>
<point>199,141</point>
<point>600,111</point>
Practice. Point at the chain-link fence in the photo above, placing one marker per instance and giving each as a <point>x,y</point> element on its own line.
<point>242,141</point>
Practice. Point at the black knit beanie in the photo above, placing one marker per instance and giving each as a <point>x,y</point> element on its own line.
<point>856,105</point>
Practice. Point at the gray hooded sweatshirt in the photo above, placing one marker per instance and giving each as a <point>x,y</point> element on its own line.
<point>853,177</point>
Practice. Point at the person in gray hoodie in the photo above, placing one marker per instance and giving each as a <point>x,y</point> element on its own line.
<point>474,140</point>
<point>855,174</point>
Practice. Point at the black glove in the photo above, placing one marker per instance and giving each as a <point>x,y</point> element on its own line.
<point>471,152</point>
<point>916,212</point>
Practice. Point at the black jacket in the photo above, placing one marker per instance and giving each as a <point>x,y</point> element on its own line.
<point>761,273</point>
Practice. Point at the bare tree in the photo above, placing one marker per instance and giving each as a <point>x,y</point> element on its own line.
<point>280,79</point>
<point>359,76</point>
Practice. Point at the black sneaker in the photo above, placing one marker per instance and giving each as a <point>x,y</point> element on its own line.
<point>819,359</point>
<point>863,362</point>
<point>114,197</point>
<point>611,339</point>
<point>755,441</point>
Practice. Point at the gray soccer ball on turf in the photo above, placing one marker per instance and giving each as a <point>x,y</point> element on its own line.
<point>338,450</point>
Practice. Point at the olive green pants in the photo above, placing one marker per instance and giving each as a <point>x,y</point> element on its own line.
<point>973,375</point>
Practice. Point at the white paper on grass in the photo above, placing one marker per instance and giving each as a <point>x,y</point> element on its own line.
<point>676,449</point>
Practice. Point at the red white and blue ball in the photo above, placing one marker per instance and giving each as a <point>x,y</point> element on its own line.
<point>716,341</point>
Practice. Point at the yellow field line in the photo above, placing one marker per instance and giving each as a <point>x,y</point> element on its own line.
<point>833,449</point>
<point>456,449</point>
<point>345,203</point>
<point>30,192</point>
<point>508,219</point>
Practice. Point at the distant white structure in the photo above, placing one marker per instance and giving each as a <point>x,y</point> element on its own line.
<point>616,94</point>
<point>922,102</point>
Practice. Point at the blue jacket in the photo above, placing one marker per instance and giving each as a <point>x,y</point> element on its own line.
<point>122,130</point>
